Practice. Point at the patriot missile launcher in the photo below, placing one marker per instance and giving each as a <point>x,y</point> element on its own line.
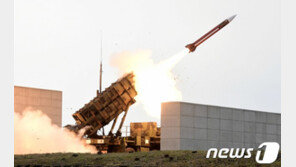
<point>105,107</point>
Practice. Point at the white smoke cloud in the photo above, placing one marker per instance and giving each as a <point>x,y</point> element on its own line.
<point>154,82</point>
<point>34,133</point>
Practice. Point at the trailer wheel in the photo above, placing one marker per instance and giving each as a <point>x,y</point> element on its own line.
<point>130,150</point>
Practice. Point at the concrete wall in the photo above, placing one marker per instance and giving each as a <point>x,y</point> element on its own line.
<point>187,126</point>
<point>48,101</point>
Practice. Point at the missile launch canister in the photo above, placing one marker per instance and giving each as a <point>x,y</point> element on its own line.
<point>193,45</point>
<point>106,106</point>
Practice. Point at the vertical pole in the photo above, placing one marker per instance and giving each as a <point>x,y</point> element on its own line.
<point>101,72</point>
<point>101,64</point>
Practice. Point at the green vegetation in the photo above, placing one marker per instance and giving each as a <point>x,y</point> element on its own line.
<point>153,158</point>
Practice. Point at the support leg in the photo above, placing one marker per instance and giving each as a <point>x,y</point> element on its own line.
<point>118,133</point>
<point>113,125</point>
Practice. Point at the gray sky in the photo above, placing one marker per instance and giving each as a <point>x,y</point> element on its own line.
<point>57,47</point>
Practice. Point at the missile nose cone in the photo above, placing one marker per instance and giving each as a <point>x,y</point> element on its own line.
<point>231,18</point>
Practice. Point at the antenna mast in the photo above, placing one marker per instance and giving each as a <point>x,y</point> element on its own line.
<point>101,73</point>
<point>101,65</point>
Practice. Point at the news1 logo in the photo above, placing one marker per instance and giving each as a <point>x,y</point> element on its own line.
<point>267,157</point>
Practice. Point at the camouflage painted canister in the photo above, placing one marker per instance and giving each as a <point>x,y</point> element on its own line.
<point>107,105</point>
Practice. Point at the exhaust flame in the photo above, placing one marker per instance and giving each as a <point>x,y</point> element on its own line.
<point>154,82</point>
<point>34,133</point>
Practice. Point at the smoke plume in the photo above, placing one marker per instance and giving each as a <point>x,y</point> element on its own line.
<point>154,82</point>
<point>34,133</point>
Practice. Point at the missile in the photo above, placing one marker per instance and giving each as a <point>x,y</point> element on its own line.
<point>193,45</point>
